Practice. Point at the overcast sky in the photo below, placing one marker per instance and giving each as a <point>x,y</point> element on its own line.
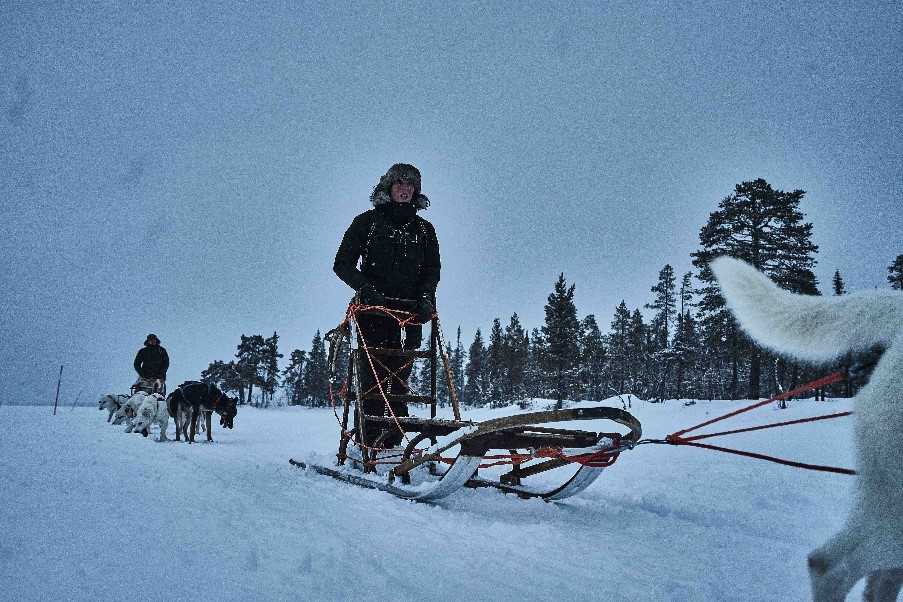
<point>190,170</point>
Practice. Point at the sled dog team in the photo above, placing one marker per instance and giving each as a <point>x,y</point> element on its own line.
<point>185,405</point>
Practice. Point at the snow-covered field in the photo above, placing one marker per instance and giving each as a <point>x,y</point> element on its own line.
<point>89,512</point>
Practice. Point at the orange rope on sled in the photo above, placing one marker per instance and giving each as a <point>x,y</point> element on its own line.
<point>404,318</point>
<point>678,438</point>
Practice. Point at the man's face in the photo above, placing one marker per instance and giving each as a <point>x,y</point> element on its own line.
<point>402,192</point>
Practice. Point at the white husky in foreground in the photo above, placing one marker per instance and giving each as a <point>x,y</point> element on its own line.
<point>126,412</point>
<point>819,329</point>
<point>152,411</point>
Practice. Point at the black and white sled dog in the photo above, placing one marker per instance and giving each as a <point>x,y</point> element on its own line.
<point>192,398</point>
<point>153,410</point>
<point>111,402</point>
<point>820,329</point>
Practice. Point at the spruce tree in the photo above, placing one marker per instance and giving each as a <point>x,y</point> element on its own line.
<point>592,359</point>
<point>250,355</point>
<point>293,376</point>
<point>638,343</point>
<point>895,273</point>
<point>270,376</point>
<point>457,366</point>
<point>764,227</point>
<point>837,283</point>
<point>214,374</point>
<point>534,383</point>
<point>664,305</point>
<point>316,375</point>
<point>474,393</point>
<point>494,369</point>
<point>618,349</point>
<point>515,360</point>
<point>685,344</point>
<point>560,331</point>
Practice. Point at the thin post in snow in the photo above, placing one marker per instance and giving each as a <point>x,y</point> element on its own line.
<point>77,397</point>
<point>58,381</point>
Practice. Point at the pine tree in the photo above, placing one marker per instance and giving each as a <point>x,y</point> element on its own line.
<point>270,361</point>
<point>686,352</point>
<point>474,392</point>
<point>293,376</point>
<point>618,349</point>
<point>534,383</point>
<point>837,283</point>
<point>895,273</point>
<point>457,366</point>
<point>592,359</point>
<point>215,374</point>
<point>250,356</point>
<point>764,227</point>
<point>316,376</point>
<point>560,331</point>
<point>494,370</point>
<point>664,305</point>
<point>638,343</point>
<point>685,344</point>
<point>515,360</point>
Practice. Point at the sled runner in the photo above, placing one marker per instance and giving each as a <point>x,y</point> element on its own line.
<point>531,455</point>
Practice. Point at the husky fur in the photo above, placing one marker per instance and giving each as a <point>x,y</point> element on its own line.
<point>111,402</point>
<point>126,413</point>
<point>819,329</point>
<point>152,411</point>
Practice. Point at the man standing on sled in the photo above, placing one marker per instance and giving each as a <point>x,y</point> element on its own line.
<point>151,364</point>
<point>399,258</point>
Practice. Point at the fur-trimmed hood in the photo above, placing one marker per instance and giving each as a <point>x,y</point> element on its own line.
<point>382,192</point>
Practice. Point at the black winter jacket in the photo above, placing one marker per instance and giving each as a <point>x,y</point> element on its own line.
<point>398,252</point>
<point>152,361</point>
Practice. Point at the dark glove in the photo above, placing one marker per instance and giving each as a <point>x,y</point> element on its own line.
<point>370,296</point>
<point>424,309</point>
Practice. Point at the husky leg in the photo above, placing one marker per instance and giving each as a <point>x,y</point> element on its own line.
<point>883,586</point>
<point>194,424</point>
<point>164,423</point>
<point>836,566</point>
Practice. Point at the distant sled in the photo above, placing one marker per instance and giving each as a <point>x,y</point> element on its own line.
<point>443,456</point>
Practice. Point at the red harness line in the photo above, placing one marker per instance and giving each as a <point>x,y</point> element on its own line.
<point>403,318</point>
<point>678,438</point>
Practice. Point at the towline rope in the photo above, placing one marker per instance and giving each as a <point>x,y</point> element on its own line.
<point>678,438</point>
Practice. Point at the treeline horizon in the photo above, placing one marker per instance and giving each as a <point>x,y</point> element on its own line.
<point>691,347</point>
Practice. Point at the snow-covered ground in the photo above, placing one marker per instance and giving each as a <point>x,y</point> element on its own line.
<point>89,512</point>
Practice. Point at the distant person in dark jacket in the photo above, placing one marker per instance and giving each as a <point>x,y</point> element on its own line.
<point>391,252</point>
<point>151,364</point>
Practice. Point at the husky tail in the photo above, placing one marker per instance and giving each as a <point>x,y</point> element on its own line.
<point>812,328</point>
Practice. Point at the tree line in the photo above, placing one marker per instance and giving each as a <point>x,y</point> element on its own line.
<point>689,347</point>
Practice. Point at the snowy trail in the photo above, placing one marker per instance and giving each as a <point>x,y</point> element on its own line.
<point>232,520</point>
